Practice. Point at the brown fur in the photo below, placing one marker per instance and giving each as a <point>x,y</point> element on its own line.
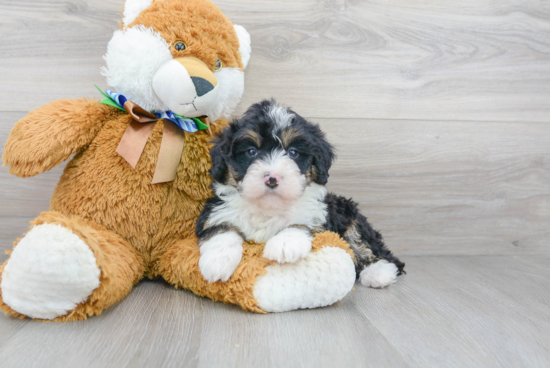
<point>136,229</point>
<point>51,134</point>
<point>209,36</point>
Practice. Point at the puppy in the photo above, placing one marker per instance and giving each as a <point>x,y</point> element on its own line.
<point>269,170</point>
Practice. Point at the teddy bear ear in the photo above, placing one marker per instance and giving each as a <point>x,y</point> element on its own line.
<point>244,44</point>
<point>132,8</point>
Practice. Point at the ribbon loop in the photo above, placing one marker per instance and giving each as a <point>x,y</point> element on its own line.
<point>138,114</point>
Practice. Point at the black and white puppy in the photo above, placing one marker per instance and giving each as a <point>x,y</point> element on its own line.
<point>269,169</point>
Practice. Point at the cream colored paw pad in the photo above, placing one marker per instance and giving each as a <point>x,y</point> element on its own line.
<point>49,272</point>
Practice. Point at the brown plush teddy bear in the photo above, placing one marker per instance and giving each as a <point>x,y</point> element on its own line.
<point>126,205</point>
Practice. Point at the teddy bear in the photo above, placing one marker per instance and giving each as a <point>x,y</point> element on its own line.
<point>127,202</point>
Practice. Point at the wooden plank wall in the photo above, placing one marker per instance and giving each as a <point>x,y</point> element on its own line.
<point>440,110</point>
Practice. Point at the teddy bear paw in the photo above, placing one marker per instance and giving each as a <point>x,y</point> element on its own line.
<point>288,246</point>
<point>322,278</point>
<point>49,272</point>
<point>220,256</point>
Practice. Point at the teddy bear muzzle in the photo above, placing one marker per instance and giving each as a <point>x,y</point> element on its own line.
<point>187,86</point>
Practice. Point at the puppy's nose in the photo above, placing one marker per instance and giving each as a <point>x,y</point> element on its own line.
<point>271,182</point>
<point>202,86</point>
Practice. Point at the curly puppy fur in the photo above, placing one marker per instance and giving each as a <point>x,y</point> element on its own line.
<point>269,170</point>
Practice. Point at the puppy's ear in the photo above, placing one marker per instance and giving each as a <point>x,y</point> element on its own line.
<point>217,157</point>
<point>323,157</point>
<point>219,168</point>
<point>222,151</point>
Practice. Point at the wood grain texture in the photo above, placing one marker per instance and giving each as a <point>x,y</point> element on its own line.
<point>468,60</point>
<point>454,188</point>
<point>447,311</point>
<point>450,311</point>
<point>158,326</point>
<point>53,49</point>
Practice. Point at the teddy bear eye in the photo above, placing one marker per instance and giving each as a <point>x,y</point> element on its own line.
<point>218,65</point>
<point>180,45</point>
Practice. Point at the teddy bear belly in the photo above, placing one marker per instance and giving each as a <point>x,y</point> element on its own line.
<point>99,186</point>
<point>148,220</point>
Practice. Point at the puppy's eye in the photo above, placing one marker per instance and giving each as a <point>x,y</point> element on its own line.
<point>180,45</point>
<point>292,153</point>
<point>252,152</point>
<point>218,65</point>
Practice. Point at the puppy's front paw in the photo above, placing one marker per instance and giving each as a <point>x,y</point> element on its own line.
<point>288,246</point>
<point>220,256</point>
<point>379,274</point>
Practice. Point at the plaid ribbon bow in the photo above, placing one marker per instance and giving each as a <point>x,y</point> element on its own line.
<point>135,137</point>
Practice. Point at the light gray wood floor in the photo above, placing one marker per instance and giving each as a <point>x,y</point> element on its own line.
<point>454,311</point>
<point>441,115</point>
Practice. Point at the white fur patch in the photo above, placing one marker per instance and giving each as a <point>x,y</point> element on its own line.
<point>288,246</point>
<point>280,116</point>
<point>291,182</point>
<point>174,86</point>
<point>132,59</point>
<point>49,272</point>
<point>379,274</point>
<point>220,256</point>
<point>132,8</point>
<point>259,223</point>
<point>322,278</point>
<point>231,89</point>
<point>244,44</point>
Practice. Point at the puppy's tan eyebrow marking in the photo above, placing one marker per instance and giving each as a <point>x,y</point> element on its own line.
<point>288,135</point>
<point>254,136</point>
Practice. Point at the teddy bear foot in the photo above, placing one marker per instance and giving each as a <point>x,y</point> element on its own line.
<point>49,272</point>
<point>322,278</point>
<point>67,269</point>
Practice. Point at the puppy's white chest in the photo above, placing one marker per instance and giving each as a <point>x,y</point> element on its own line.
<point>261,227</point>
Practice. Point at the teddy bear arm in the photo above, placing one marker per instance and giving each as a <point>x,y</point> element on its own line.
<point>50,134</point>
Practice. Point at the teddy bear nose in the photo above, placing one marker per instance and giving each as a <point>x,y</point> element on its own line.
<point>202,86</point>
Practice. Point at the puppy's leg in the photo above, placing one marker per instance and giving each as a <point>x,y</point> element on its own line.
<point>220,256</point>
<point>375,265</point>
<point>289,245</point>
